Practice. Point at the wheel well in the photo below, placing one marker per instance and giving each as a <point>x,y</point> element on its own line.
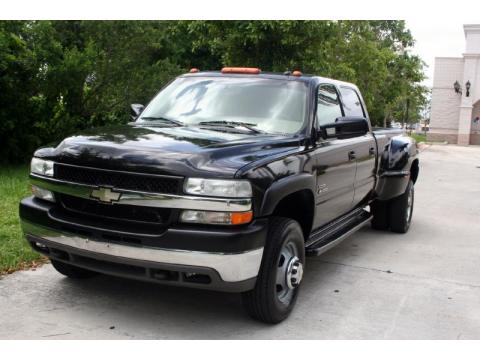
<point>414,169</point>
<point>298,206</point>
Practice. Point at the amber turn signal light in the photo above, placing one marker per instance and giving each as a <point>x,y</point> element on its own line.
<point>238,218</point>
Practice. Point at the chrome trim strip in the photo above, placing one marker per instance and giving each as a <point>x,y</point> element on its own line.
<point>138,198</point>
<point>231,267</point>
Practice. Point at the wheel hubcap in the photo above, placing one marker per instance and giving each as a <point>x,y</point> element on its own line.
<point>294,272</point>
<point>289,273</point>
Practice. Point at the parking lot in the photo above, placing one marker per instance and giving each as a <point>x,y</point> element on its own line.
<point>375,285</point>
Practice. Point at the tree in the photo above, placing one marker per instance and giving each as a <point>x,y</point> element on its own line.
<point>372,54</point>
<point>58,77</point>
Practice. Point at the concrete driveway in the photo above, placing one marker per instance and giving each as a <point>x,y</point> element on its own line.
<point>375,285</point>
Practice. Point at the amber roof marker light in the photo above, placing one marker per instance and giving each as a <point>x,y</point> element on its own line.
<point>241,70</point>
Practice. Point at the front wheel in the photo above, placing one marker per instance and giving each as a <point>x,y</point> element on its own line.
<point>280,275</point>
<point>400,210</point>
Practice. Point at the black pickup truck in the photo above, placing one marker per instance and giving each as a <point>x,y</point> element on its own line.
<point>225,181</point>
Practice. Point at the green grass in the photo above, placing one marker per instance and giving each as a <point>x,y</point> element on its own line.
<point>15,253</point>
<point>419,137</point>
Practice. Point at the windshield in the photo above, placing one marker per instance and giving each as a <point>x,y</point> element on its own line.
<point>266,105</point>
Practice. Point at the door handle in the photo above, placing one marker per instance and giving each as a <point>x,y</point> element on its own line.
<point>352,155</point>
<point>371,151</point>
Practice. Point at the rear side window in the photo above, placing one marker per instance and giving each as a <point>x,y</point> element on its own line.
<point>351,102</point>
<point>328,107</point>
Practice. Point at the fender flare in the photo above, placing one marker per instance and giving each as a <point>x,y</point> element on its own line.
<point>284,187</point>
<point>394,167</point>
<point>399,154</point>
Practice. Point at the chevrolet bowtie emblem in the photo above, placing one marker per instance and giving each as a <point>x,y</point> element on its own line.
<point>105,195</point>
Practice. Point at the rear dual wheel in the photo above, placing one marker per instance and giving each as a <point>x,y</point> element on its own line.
<point>401,210</point>
<point>394,214</point>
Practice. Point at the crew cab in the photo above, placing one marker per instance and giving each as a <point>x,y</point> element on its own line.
<point>225,181</point>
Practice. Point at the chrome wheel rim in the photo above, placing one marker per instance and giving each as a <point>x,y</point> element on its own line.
<point>289,273</point>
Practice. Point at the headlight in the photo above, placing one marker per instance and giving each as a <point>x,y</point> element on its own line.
<point>216,217</point>
<point>221,188</point>
<point>43,193</point>
<point>41,167</point>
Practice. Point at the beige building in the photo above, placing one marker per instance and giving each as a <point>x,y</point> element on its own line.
<point>455,111</point>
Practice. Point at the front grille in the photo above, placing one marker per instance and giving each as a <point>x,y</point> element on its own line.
<point>115,211</point>
<point>118,179</point>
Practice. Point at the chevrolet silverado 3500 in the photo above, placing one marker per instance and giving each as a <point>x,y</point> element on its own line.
<point>225,181</point>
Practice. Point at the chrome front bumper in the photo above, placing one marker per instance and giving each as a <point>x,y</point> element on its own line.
<point>235,267</point>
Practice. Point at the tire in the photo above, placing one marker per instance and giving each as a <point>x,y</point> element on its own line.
<point>401,209</point>
<point>379,210</point>
<point>71,271</point>
<point>280,275</point>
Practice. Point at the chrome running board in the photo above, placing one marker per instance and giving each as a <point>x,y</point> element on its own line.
<point>334,233</point>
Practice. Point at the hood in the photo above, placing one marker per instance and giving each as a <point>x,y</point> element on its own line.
<point>184,151</point>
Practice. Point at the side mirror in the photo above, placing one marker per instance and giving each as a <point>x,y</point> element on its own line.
<point>345,127</point>
<point>136,110</point>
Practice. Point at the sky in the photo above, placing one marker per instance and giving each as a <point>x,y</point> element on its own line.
<point>437,37</point>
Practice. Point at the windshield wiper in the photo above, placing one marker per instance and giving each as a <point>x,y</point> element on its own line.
<point>161,118</point>
<point>233,124</point>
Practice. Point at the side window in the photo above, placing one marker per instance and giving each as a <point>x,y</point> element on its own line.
<point>328,107</point>
<point>351,102</point>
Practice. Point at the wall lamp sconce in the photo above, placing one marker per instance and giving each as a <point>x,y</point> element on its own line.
<point>457,87</point>
<point>467,87</point>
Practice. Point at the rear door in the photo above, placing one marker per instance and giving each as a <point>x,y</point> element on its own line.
<point>364,147</point>
<point>335,168</point>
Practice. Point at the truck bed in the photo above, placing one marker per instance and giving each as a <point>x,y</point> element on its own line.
<point>383,136</point>
<point>387,131</point>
